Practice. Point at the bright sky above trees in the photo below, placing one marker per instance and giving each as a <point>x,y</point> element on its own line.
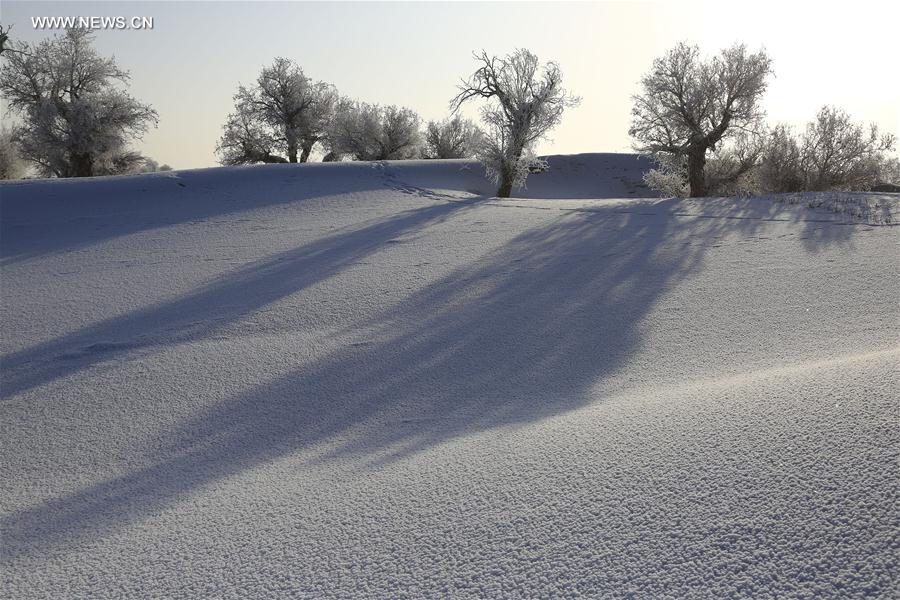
<point>413,54</point>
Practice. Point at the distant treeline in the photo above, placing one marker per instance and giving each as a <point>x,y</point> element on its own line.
<point>700,118</point>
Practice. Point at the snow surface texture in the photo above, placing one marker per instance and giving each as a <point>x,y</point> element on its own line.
<point>374,380</point>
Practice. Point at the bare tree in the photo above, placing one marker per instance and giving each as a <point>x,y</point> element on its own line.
<point>688,105</point>
<point>285,108</point>
<point>72,112</point>
<point>6,44</point>
<point>454,137</point>
<point>372,132</point>
<point>527,101</point>
<point>837,153</point>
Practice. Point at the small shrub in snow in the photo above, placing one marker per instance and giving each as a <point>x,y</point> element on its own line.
<point>838,154</point>
<point>669,177</point>
<point>120,161</point>
<point>538,165</point>
<point>868,208</point>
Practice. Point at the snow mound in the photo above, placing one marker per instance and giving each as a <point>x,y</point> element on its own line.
<point>376,380</point>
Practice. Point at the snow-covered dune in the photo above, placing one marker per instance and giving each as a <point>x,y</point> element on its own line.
<point>42,216</point>
<point>375,380</point>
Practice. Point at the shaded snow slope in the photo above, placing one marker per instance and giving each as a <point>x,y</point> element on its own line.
<point>96,209</point>
<point>374,380</point>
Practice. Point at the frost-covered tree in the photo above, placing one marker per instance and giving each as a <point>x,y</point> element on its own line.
<point>282,116</point>
<point>731,169</point>
<point>128,163</point>
<point>887,174</point>
<point>780,169</point>
<point>247,141</point>
<point>526,100</point>
<point>325,98</point>
<point>669,175</point>
<point>689,105</point>
<point>120,162</point>
<point>365,131</point>
<point>11,164</point>
<point>71,109</point>
<point>832,153</point>
<point>149,165</point>
<point>454,137</point>
<point>837,153</point>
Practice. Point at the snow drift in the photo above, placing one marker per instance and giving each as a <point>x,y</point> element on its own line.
<point>375,380</point>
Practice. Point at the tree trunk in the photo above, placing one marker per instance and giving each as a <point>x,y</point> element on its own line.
<point>83,165</point>
<point>306,150</point>
<point>696,174</point>
<point>292,152</point>
<point>505,186</point>
<point>509,171</point>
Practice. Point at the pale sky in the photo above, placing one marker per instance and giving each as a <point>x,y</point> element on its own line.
<point>413,54</point>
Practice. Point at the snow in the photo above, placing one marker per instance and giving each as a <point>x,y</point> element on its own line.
<point>375,380</point>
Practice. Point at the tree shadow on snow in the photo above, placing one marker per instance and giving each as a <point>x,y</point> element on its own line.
<point>520,335</point>
<point>214,306</point>
<point>62,215</point>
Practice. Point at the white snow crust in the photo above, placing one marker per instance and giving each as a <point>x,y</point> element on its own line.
<point>373,380</point>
